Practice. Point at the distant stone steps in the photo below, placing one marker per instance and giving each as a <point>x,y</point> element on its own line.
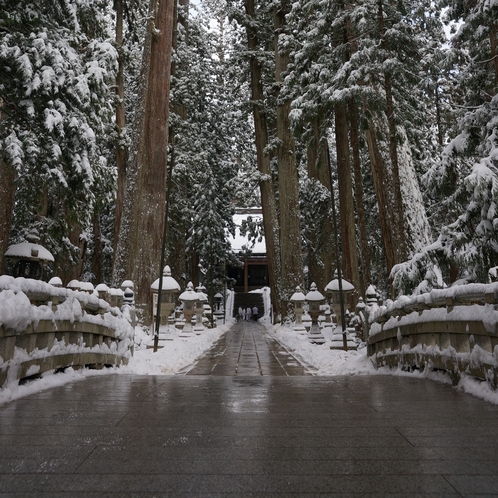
<point>248,300</point>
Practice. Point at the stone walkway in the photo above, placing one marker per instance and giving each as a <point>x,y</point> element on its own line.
<point>249,435</point>
<point>245,350</point>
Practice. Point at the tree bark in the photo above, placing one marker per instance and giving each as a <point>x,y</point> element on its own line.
<point>140,239</point>
<point>7,196</point>
<point>346,200</point>
<point>268,203</point>
<point>381,185</point>
<point>365,276</point>
<point>290,226</point>
<point>401,246</point>
<point>321,256</point>
<point>121,152</point>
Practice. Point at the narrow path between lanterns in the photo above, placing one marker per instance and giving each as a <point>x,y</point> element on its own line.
<point>245,350</point>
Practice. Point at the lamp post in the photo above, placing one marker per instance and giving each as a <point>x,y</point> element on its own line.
<point>314,299</point>
<point>189,299</point>
<point>298,299</point>
<point>162,307</point>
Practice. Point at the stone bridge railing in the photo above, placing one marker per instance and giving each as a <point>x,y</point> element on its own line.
<point>451,329</point>
<point>44,328</point>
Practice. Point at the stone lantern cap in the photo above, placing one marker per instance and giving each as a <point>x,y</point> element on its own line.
<point>168,284</point>
<point>333,286</point>
<point>298,296</point>
<point>74,285</point>
<point>189,294</point>
<point>128,284</point>
<point>55,281</point>
<point>87,287</point>
<point>202,296</point>
<point>314,294</point>
<point>102,288</point>
<point>29,251</point>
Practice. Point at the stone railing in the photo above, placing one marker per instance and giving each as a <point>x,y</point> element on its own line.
<point>44,328</point>
<point>451,329</point>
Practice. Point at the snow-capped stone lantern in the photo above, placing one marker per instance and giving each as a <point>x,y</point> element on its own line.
<point>218,302</point>
<point>55,282</point>
<point>189,299</point>
<point>26,259</point>
<point>314,299</point>
<point>74,285</point>
<point>199,309</point>
<point>298,299</point>
<point>102,291</point>
<point>87,287</point>
<point>332,291</point>
<point>116,297</point>
<point>169,291</point>
<point>128,293</point>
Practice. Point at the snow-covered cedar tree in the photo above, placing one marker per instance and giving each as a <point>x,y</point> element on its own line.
<point>464,183</point>
<point>203,157</point>
<point>56,67</point>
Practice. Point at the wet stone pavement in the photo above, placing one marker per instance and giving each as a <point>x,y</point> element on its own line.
<point>245,350</point>
<point>252,434</point>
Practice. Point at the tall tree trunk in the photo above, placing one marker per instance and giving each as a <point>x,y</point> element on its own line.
<point>401,246</point>
<point>365,276</point>
<point>381,185</point>
<point>346,200</point>
<point>268,202</point>
<point>140,239</point>
<point>176,249</point>
<point>290,226</point>
<point>97,248</point>
<point>7,196</point>
<point>321,256</point>
<point>121,152</point>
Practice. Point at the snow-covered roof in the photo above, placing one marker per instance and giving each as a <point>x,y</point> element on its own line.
<point>28,250</point>
<point>241,242</point>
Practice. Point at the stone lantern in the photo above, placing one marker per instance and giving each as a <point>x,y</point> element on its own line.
<point>29,258</point>
<point>169,291</point>
<point>74,285</point>
<point>189,299</point>
<point>87,287</point>
<point>332,291</point>
<point>314,299</point>
<point>102,291</point>
<point>199,310</point>
<point>298,299</point>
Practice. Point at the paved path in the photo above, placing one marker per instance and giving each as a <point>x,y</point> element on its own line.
<point>245,350</point>
<point>274,436</point>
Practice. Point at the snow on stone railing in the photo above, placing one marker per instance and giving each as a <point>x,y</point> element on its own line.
<point>452,329</point>
<point>45,328</point>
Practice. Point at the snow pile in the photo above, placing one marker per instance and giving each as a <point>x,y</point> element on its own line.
<point>325,360</point>
<point>173,356</point>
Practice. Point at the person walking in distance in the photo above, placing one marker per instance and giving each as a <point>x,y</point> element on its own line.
<point>255,313</point>
<point>240,315</point>
<point>248,314</point>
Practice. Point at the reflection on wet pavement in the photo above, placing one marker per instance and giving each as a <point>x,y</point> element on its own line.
<point>245,350</point>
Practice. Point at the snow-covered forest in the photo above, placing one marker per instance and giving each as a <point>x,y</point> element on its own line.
<point>387,111</point>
